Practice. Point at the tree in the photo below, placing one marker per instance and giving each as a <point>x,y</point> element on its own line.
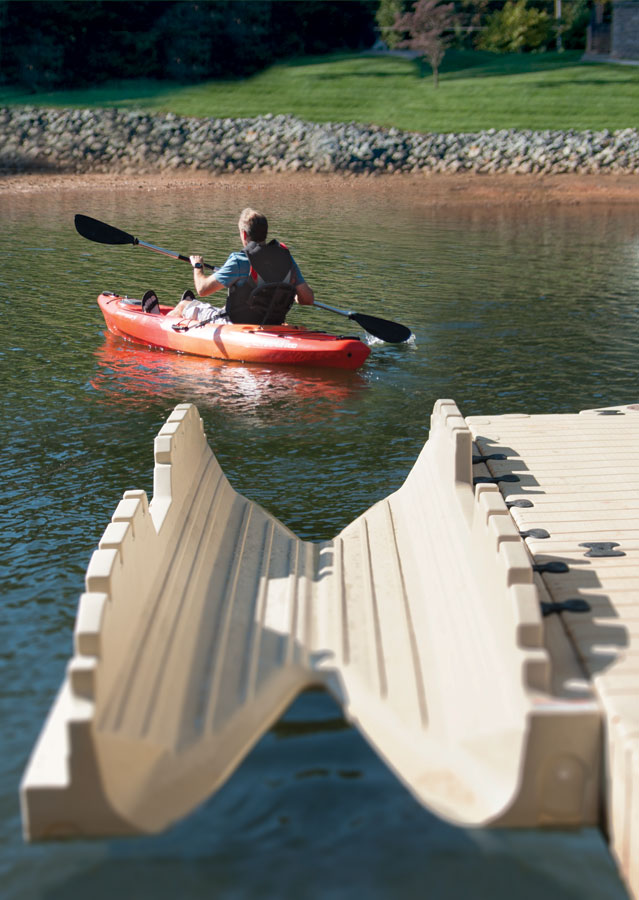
<point>516,28</point>
<point>431,31</point>
<point>472,18</point>
<point>57,44</point>
<point>387,14</point>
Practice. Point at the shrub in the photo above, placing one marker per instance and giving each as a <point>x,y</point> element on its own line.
<point>48,44</point>
<point>576,17</point>
<point>42,68</point>
<point>516,28</point>
<point>387,13</point>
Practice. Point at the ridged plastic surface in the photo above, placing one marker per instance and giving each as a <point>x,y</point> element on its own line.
<point>204,617</point>
<point>579,475</point>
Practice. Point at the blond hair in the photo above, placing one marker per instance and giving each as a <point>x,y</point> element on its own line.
<point>254,224</point>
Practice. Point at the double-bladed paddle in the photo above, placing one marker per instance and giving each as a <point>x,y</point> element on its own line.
<point>385,330</point>
<point>101,233</point>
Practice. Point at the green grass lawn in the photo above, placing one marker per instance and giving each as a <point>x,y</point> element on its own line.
<point>476,91</point>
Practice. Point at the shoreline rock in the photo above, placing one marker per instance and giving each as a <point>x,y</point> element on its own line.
<point>82,141</point>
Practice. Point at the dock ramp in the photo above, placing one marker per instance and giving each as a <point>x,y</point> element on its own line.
<point>204,617</point>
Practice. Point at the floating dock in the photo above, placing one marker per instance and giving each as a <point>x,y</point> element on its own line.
<point>479,626</point>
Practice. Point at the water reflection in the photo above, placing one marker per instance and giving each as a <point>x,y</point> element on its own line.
<point>132,375</point>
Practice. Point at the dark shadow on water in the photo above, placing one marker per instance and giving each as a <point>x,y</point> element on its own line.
<point>319,815</point>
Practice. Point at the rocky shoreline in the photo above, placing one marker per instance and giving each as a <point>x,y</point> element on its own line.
<point>110,140</point>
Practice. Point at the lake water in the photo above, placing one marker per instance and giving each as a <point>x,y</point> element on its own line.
<point>514,309</point>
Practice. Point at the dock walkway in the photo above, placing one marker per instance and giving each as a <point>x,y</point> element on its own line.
<point>576,498</point>
<point>444,621</point>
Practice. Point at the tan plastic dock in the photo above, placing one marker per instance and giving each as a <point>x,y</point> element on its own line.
<point>204,617</point>
<point>577,497</point>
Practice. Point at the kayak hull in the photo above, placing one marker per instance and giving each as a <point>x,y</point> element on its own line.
<point>272,344</point>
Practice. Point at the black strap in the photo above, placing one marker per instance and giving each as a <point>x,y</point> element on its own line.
<point>274,299</point>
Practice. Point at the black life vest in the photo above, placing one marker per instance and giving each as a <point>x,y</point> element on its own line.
<point>268,293</point>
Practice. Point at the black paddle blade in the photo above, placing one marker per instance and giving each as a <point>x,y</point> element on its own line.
<point>391,332</point>
<point>100,232</point>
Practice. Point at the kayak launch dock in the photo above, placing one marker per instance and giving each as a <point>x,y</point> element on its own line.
<point>479,626</point>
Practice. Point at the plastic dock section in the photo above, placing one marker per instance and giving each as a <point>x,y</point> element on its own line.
<point>571,483</point>
<point>204,617</point>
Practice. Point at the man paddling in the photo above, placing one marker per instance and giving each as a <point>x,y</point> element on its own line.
<point>263,280</point>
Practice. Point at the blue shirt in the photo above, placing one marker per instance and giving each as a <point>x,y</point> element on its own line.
<point>238,268</point>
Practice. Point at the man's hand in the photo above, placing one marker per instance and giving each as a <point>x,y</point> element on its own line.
<point>204,284</point>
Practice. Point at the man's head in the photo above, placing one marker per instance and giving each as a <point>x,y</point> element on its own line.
<point>254,225</point>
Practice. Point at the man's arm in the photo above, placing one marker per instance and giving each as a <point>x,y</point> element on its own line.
<point>305,294</point>
<point>204,284</point>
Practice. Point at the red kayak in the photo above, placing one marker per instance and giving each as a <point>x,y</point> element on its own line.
<point>279,344</point>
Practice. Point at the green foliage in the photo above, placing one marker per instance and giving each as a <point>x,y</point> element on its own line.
<point>473,15</point>
<point>42,68</point>
<point>575,20</point>
<point>321,26</point>
<point>61,44</point>
<point>387,13</point>
<point>195,40</point>
<point>516,28</point>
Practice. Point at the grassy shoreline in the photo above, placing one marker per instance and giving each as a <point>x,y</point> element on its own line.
<point>478,91</point>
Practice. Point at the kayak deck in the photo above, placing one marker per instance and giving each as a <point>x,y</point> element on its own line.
<point>272,344</point>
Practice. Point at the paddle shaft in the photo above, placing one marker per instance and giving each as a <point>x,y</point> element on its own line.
<point>170,253</point>
<point>340,312</point>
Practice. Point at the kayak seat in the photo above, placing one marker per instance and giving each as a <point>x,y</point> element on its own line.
<point>150,303</point>
<point>271,302</point>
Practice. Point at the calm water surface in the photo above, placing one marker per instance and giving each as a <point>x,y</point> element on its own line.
<point>514,310</point>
